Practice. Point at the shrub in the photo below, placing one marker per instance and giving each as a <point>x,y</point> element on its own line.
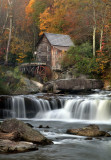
<point>84,49</point>
<point>80,58</point>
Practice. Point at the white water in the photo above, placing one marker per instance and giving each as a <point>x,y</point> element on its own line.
<point>18,107</point>
<point>99,110</point>
<point>91,108</point>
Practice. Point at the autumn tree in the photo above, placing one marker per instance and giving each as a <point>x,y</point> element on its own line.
<point>13,23</point>
<point>33,10</point>
<point>77,23</point>
<point>19,49</point>
<point>52,19</point>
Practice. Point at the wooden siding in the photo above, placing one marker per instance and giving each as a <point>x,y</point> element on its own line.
<point>57,56</point>
<point>44,52</point>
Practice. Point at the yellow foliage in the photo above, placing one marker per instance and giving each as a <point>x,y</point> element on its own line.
<point>51,20</point>
<point>20,47</point>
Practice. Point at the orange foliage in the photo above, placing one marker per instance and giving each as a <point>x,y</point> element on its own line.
<point>29,8</point>
<point>52,19</point>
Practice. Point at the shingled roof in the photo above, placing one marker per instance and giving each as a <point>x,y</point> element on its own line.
<point>59,39</point>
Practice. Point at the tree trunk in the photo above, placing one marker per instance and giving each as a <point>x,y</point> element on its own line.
<point>1,8</point>
<point>94,29</point>
<point>9,40</point>
<point>101,38</point>
<point>94,41</point>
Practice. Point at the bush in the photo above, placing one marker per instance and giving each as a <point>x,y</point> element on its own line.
<point>86,65</point>
<point>80,58</point>
<point>84,49</point>
<point>4,90</point>
<point>68,61</point>
<point>9,79</point>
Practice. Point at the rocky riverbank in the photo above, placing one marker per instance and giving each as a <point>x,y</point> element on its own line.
<point>12,82</point>
<point>16,136</point>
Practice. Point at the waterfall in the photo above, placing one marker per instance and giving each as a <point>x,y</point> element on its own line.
<point>104,110</point>
<point>18,107</point>
<point>81,109</point>
<point>67,108</point>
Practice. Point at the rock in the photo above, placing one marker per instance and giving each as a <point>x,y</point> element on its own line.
<point>25,132</point>
<point>29,125</point>
<point>37,84</point>
<point>7,146</point>
<point>89,138</point>
<point>44,97</point>
<point>98,138</point>
<point>41,126</point>
<point>77,84</point>
<point>10,136</point>
<point>90,131</point>
<point>26,86</point>
<point>47,127</point>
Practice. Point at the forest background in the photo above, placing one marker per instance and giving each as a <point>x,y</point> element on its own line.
<point>88,22</point>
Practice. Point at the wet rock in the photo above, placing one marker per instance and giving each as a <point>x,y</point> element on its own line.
<point>41,126</point>
<point>47,127</point>
<point>90,131</point>
<point>98,138</point>
<point>89,138</point>
<point>7,146</point>
<point>44,97</point>
<point>25,132</point>
<point>29,125</point>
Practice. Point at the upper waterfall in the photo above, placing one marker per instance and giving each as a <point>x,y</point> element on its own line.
<point>91,107</point>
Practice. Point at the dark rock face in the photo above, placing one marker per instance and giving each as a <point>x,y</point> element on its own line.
<point>90,131</point>
<point>7,146</point>
<point>24,132</point>
<point>5,108</point>
<point>73,85</point>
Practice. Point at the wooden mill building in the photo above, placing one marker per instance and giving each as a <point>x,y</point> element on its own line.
<point>50,49</point>
<point>48,55</point>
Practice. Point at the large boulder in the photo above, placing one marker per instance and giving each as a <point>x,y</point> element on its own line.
<point>90,131</point>
<point>26,86</point>
<point>7,146</point>
<point>76,84</point>
<point>12,82</point>
<point>23,132</point>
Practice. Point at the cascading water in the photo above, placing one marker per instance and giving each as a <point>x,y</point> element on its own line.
<point>83,110</point>
<point>66,108</point>
<point>18,107</point>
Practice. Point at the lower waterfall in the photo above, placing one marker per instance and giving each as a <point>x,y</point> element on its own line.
<point>32,107</point>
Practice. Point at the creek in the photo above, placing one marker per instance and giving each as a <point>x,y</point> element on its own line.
<point>62,112</point>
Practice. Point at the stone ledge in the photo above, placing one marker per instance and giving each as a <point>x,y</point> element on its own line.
<point>73,85</point>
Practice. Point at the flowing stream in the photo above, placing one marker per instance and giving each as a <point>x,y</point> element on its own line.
<point>61,113</point>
